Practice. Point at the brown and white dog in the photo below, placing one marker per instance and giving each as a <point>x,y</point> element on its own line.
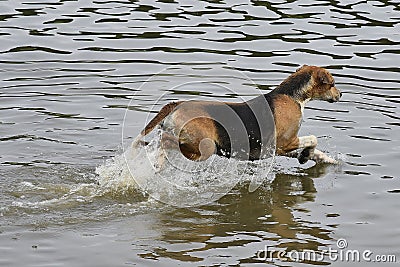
<point>193,127</point>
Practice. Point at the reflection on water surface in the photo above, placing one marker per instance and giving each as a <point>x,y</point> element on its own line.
<point>70,68</point>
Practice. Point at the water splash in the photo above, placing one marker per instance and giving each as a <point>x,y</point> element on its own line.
<point>179,181</point>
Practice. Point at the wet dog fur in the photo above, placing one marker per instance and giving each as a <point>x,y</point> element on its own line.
<point>190,125</point>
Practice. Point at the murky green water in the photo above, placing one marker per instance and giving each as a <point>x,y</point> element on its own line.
<point>69,70</point>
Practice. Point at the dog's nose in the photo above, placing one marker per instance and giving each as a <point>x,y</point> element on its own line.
<point>340,93</point>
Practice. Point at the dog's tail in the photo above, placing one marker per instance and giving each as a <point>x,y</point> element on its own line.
<point>164,112</point>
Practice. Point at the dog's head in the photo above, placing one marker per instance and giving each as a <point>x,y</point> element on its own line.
<point>322,86</point>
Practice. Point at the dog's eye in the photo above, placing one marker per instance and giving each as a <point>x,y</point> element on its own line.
<point>331,84</point>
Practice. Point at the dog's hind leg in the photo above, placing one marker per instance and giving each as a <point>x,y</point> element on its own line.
<point>168,141</point>
<point>164,112</point>
<point>137,141</point>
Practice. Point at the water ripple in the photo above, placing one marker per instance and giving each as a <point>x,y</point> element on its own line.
<point>68,70</point>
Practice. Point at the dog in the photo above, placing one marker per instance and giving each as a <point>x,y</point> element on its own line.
<point>195,128</point>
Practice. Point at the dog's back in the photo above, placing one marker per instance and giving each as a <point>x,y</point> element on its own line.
<point>202,128</point>
<point>244,129</point>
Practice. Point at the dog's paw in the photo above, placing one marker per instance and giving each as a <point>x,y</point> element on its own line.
<point>302,159</point>
<point>136,142</point>
<point>305,155</point>
<point>321,157</point>
<point>329,160</point>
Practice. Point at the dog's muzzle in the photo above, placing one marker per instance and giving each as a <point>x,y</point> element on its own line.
<point>335,96</point>
<point>333,100</point>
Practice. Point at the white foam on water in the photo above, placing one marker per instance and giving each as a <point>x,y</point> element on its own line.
<point>178,181</point>
<point>175,180</point>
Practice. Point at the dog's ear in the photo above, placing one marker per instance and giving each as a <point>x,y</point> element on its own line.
<point>301,67</point>
<point>322,75</point>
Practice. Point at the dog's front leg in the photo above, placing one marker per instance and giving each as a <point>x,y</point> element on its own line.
<point>310,152</point>
<point>320,156</point>
<point>302,156</point>
<point>308,143</point>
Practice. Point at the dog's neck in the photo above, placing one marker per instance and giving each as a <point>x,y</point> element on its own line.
<point>303,104</point>
<point>297,86</point>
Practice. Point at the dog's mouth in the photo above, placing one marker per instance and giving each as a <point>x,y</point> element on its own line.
<point>334,95</point>
<point>333,99</point>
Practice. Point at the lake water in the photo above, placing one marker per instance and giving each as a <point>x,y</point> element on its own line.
<point>71,71</point>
